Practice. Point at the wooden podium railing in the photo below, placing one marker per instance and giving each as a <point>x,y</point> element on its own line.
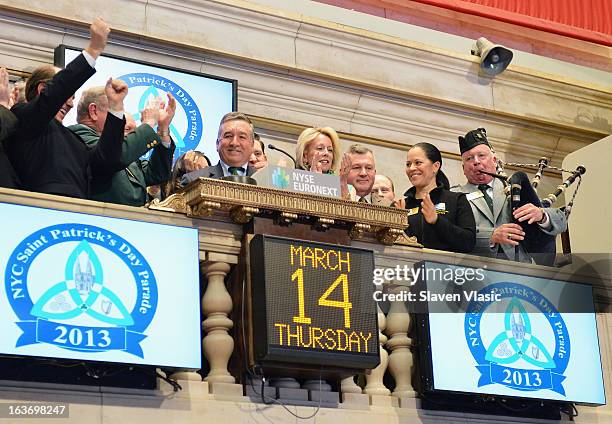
<point>205,197</point>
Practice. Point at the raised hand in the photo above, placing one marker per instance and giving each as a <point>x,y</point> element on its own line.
<point>166,113</point>
<point>5,92</point>
<point>14,96</point>
<point>315,161</point>
<point>98,36</point>
<point>428,209</point>
<point>115,91</point>
<point>150,114</point>
<point>345,168</point>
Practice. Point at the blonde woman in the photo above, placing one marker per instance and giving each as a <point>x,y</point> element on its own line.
<point>318,150</point>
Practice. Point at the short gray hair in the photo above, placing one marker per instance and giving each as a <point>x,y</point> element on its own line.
<point>359,149</point>
<point>235,116</point>
<point>91,95</point>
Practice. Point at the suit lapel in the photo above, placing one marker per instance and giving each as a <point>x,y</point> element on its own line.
<point>499,198</point>
<point>217,171</point>
<point>480,202</point>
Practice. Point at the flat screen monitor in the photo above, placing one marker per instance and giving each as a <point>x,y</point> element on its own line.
<point>202,100</point>
<point>313,307</point>
<point>92,288</point>
<point>508,335</point>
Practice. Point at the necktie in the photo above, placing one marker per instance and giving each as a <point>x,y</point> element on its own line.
<point>363,200</point>
<point>235,170</point>
<point>484,188</point>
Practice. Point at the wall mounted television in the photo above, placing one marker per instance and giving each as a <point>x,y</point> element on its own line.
<point>202,99</point>
<point>98,290</point>
<point>506,343</point>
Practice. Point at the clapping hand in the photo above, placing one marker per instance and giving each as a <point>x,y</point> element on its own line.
<point>259,165</point>
<point>14,96</point>
<point>315,161</point>
<point>5,92</point>
<point>345,168</point>
<point>166,113</point>
<point>150,114</point>
<point>428,209</point>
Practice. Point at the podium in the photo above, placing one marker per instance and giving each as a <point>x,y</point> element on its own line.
<point>209,197</point>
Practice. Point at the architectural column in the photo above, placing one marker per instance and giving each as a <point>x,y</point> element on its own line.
<point>400,359</point>
<point>348,385</point>
<point>374,379</point>
<point>218,345</point>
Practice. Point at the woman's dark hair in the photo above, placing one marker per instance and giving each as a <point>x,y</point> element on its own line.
<point>434,155</point>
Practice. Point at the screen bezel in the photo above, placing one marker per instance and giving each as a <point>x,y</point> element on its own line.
<point>59,59</point>
<point>426,384</point>
<point>269,354</point>
<point>64,360</point>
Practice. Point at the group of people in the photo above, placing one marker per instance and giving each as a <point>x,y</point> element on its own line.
<point>472,218</point>
<point>99,159</point>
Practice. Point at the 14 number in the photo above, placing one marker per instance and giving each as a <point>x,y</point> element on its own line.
<point>345,304</point>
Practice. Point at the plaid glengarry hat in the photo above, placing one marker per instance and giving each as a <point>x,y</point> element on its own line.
<point>472,139</point>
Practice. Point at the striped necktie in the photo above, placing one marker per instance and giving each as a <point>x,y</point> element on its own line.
<point>484,188</point>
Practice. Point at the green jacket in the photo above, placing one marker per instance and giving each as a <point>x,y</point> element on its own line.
<point>129,186</point>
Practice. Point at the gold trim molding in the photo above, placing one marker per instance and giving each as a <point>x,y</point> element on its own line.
<point>242,202</point>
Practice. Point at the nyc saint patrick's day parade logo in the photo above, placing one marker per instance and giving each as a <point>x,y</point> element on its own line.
<point>513,351</point>
<point>81,287</point>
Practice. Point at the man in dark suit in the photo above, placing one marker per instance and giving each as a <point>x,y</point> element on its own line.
<point>47,156</point>
<point>8,123</point>
<point>497,227</point>
<point>234,145</point>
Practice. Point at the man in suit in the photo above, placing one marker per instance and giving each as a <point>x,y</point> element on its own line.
<point>358,169</point>
<point>234,145</point>
<point>497,228</point>
<point>129,186</point>
<point>47,156</point>
<point>8,123</point>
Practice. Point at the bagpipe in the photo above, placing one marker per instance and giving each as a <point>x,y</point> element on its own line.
<point>521,191</point>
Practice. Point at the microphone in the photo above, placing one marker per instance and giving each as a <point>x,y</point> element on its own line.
<point>272,147</point>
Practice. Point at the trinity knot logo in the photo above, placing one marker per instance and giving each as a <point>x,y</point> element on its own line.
<point>524,351</point>
<point>186,130</point>
<point>280,179</point>
<point>82,288</point>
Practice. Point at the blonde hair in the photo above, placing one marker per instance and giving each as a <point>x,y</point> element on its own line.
<point>306,138</point>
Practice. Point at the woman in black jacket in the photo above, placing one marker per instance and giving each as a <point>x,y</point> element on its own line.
<point>439,218</point>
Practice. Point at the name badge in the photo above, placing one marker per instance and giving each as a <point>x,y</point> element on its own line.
<point>441,208</point>
<point>474,195</point>
<point>413,211</point>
